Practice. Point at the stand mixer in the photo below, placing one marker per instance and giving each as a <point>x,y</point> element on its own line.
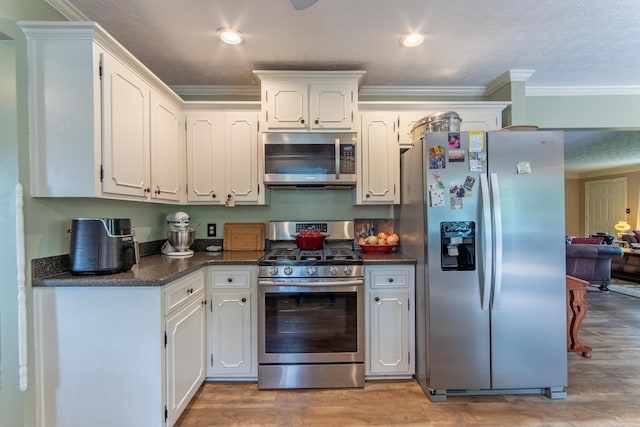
<point>179,236</point>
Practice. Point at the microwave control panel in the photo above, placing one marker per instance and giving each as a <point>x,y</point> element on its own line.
<point>347,158</point>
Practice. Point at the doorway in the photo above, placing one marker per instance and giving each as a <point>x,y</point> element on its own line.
<point>605,204</point>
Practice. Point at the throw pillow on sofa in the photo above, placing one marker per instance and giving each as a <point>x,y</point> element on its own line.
<point>587,240</point>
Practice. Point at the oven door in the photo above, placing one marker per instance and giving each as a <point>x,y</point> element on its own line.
<point>311,322</point>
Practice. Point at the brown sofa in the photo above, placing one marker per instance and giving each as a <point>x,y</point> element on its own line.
<point>592,263</point>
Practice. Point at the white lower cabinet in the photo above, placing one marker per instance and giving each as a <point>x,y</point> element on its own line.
<point>185,343</point>
<point>232,323</point>
<point>390,321</point>
<point>118,356</point>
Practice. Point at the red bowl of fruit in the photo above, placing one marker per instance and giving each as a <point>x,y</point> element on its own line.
<point>377,249</point>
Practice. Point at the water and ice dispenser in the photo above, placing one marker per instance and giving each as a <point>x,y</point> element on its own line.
<point>458,245</point>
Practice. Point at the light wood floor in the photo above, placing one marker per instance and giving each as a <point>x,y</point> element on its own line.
<point>602,391</point>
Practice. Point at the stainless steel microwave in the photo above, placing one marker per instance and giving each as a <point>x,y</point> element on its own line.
<point>310,159</point>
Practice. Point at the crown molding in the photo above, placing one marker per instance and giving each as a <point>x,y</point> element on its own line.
<point>217,90</point>
<point>581,90</point>
<point>384,91</point>
<point>67,10</point>
<point>508,77</point>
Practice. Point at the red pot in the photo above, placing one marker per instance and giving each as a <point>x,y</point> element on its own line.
<point>310,240</point>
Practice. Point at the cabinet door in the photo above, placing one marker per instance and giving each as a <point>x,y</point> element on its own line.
<point>185,357</point>
<point>406,121</point>
<point>230,334</point>
<point>167,154</point>
<point>126,131</point>
<point>389,335</point>
<point>380,154</point>
<point>243,167</point>
<point>286,105</point>
<point>485,120</point>
<point>331,106</point>
<point>206,157</point>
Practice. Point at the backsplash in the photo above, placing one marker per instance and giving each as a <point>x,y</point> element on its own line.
<point>362,227</point>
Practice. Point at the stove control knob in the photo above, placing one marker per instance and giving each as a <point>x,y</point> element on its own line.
<point>288,270</point>
<point>347,271</point>
<point>333,270</point>
<point>273,270</point>
<point>311,270</point>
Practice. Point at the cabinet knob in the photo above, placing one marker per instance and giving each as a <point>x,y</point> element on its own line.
<point>377,299</point>
<point>317,121</point>
<point>213,195</point>
<point>243,300</point>
<point>390,279</point>
<point>157,190</point>
<point>147,190</point>
<point>367,196</point>
<point>302,121</point>
<point>230,279</point>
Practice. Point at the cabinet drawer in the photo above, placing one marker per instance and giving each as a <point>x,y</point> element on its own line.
<point>390,279</point>
<point>231,279</point>
<point>183,291</point>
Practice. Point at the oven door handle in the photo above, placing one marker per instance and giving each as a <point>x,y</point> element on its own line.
<point>310,283</point>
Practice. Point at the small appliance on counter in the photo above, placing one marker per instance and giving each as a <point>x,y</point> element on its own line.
<point>102,246</point>
<point>180,236</point>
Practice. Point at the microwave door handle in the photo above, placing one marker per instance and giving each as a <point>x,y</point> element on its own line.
<point>337,144</point>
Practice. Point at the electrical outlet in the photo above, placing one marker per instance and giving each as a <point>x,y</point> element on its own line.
<point>211,230</point>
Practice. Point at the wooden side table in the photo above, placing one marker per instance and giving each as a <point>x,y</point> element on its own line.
<point>576,310</point>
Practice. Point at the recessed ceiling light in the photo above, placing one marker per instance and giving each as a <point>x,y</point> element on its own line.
<point>230,36</point>
<point>412,39</point>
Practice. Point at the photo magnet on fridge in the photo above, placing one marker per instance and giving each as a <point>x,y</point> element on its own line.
<point>456,194</point>
<point>468,185</point>
<point>436,157</point>
<point>436,195</point>
<point>456,156</point>
<point>454,141</point>
<point>477,161</point>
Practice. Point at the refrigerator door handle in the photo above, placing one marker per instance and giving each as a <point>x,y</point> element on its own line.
<point>497,227</point>
<point>487,243</point>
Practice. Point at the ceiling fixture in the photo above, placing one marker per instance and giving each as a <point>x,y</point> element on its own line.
<point>230,36</point>
<point>302,4</point>
<point>412,39</point>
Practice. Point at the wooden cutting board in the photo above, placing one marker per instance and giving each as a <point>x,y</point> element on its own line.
<point>243,236</point>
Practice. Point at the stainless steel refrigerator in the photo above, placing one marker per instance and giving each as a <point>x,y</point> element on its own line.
<point>483,214</point>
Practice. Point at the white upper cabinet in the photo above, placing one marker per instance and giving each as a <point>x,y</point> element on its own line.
<point>100,123</point>
<point>379,174</point>
<point>476,116</point>
<point>167,150</point>
<point>126,143</point>
<point>223,157</point>
<point>309,101</point>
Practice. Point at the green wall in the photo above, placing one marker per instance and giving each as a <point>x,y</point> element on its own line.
<point>584,112</point>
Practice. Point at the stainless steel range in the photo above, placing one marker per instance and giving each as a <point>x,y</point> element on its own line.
<point>311,309</point>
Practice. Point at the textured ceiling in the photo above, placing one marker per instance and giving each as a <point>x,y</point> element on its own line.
<point>588,151</point>
<point>468,43</point>
<point>568,43</point>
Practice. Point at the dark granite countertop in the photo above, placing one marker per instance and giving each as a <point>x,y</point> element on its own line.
<point>153,270</point>
<point>158,270</point>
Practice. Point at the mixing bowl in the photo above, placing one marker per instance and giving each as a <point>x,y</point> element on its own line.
<point>181,238</point>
